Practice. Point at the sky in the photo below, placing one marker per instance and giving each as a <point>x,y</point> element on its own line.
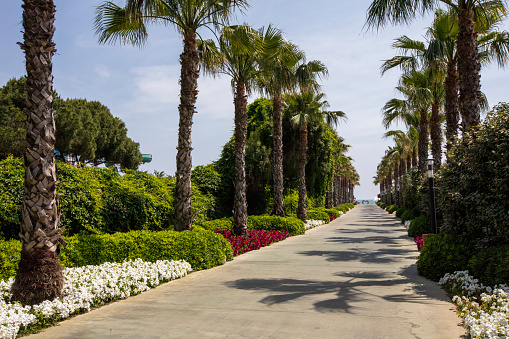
<point>140,86</point>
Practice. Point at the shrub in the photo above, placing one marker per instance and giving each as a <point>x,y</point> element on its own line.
<point>259,222</point>
<point>318,215</point>
<point>407,215</point>
<point>400,211</point>
<point>419,225</point>
<point>216,224</point>
<point>265,222</point>
<point>329,211</point>
<point>9,257</point>
<point>392,209</point>
<point>201,248</point>
<point>491,265</point>
<point>442,253</point>
<point>472,187</point>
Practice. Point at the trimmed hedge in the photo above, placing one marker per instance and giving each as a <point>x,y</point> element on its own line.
<point>400,211</point>
<point>442,253</point>
<point>407,215</point>
<point>315,214</point>
<point>10,253</point>
<point>258,222</point>
<point>419,225</point>
<point>491,265</point>
<point>392,209</point>
<point>201,248</point>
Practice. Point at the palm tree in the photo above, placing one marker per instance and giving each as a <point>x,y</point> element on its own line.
<point>129,25</point>
<point>438,53</point>
<point>468,13</point>
<point>278,76</point>
<point>237,56</point>
<point>39,275</point>
<point>305,108</point>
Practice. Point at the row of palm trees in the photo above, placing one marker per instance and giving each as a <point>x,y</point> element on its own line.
<point>437,84</point>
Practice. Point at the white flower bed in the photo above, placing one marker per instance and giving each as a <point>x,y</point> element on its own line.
<point>407,224</point>
<point>485,310</point>
<point>87,287</point>
<point>313,223</point>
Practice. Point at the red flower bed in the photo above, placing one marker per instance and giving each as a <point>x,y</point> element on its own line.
<point>254,240</point>
<point>332,217</point>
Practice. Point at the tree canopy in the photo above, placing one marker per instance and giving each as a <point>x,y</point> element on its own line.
<point>86,131</point>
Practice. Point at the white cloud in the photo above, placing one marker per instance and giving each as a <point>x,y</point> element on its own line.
<point>102,71</point>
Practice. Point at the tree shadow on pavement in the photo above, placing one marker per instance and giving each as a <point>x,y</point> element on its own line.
<point>349,288</point>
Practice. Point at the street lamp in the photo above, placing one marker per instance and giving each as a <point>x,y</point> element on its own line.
<point>432,206</point>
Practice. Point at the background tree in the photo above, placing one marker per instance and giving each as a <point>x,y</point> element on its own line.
<point>39,275</point>
<point>128,24</point>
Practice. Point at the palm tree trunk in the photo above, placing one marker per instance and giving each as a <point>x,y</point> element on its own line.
<point>389,184</point>
<point>436,136</point>
<point>39,275</point>
<point>423,141</point>
<point>451,105</point>
<point>414,158</point>
<point>189,60</point>
<point>337,190</point>
<point>469,79</point>
<point>239,201</point>
<point>303,142</point>
<point>396,182</point>
<point>277,153</point>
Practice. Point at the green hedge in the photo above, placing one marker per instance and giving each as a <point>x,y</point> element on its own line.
<point>442,253</point>
<point>419,225</point>
<point>98,200</point>
<point>201,248</point>
<point>267,222</point>
<point>392,209</point>
<point>400,211</point>
<point>9,257</point>
<point>314,214</point>
<point>491,265</point>
<point>258,222</point>
<point>407,215</point>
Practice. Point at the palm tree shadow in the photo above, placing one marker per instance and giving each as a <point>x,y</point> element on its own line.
<point>350,289</point>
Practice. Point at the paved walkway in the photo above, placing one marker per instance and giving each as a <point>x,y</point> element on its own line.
<point>353,278</point>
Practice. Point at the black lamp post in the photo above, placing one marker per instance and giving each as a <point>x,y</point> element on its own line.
<point>432,206</point>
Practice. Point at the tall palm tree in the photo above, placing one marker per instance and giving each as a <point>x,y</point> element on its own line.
<point>237,56</point>
<point>129,25</point>
<point>438,53</point>
<point>277,77</point>
<point>468,12</point>
<point>39,275</point>
<point>305,108</point>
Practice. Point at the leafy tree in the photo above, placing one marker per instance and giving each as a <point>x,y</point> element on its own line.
<point>86,131</point>
<point>39,275</point>
<point>129,25</point>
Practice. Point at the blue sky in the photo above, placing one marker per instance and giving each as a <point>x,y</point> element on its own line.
<point>140,86</point>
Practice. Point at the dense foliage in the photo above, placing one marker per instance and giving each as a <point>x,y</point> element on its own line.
<point>491,265</point>
<point>96,200</point>
<point>418,226</point>
<point>443,253</point>
<point>258,222</point>
<point>474,184</point>
<point>85,130</point>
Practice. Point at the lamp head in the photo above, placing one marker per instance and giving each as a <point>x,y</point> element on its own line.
<point>430,168</point>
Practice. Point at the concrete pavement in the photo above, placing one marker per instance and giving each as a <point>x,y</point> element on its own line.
<point>353,278</point>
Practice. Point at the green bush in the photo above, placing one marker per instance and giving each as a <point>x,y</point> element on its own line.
<point>419,225</point>
<point>318,215</point>
<point>473,185</point>
<point>258,222</point>
<point>201,248</point>
<point>273,222</point>
<point>400,211</point>
<point>491,265</point>
<point>9,257</point>
<point>392,209</point>
<point>443,253</point>
<point>216,224</point>
<point>407,215</point>
<point>291,202</point>
<point>11,196</point>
